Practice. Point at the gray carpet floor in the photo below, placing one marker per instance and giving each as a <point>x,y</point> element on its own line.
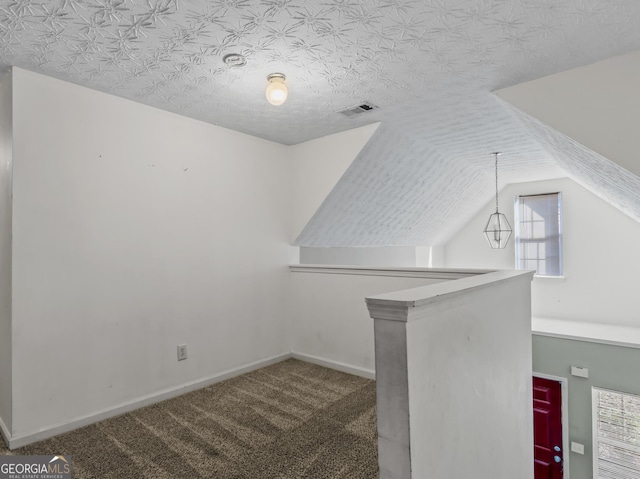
<point>291,420</point>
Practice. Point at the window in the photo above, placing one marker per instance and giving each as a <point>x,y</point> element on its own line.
<point>616,435</point>
<point>539,233</point>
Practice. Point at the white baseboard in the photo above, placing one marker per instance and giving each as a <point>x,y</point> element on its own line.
<point>4,432</point>
<point>328,363</point>
<point>17,441</point>
<point>22,440</point>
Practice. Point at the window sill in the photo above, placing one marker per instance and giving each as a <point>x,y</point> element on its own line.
<point>547,277</point>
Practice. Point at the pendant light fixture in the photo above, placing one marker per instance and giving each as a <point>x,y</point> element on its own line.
<point>276,89</point>
<point>498,229</point>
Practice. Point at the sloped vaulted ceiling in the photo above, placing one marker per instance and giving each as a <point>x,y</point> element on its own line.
<point>606,179</point>
<point>429,65</point>
<point>415,182</point>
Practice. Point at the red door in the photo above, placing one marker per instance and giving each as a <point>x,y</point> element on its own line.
<point>547,428</point>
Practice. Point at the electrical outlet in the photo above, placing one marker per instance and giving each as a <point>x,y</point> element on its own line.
<point>182,352</point>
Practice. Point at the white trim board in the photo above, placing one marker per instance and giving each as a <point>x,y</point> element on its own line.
<point>338,366</point>
<point>594,431</point>
<point>616,335</point>
<point>566,445</point>
<point>402,272</point>
<point>18,441</point>
<point>14,442</point>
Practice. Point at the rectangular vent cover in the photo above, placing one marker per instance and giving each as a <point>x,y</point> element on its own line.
<point>359,109</point>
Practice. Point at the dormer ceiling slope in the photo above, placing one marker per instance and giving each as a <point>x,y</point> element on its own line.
<point>428,65</point>
<point>606,179</point>
<point>401,191</point>
<point>422,176</point>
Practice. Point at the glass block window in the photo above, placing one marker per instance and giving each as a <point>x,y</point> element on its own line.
<point>539,233</point>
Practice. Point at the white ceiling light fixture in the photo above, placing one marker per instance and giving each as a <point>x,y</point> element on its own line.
<point>277,91</point>
<point>498,229</point>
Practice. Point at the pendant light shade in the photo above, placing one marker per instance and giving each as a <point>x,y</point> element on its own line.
<point>498,229</point>
<point>277,91</point>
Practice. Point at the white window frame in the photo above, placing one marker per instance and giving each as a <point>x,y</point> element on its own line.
<point>594,433</point>
<point>560,233</point>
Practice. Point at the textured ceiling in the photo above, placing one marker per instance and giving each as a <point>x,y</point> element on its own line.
<point>412,187</point>
<point>335,53</point>
<point>596,173</point>
<point>429,65</point>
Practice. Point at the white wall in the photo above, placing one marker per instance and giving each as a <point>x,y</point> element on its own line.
<point>5,250</point>
<point>454,379</point>
<point>459,351</point>
<point>374,256</point>
<point>600,255</point>
<point>597,105</point>
<point>330,320</point>
<point>136,230</point>
<point>317,167</point>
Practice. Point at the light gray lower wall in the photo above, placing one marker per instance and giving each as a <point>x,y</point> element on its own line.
<point>5,248</point>
<point>610,367</point>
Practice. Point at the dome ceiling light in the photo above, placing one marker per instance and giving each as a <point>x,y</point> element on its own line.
<point>276,89</point>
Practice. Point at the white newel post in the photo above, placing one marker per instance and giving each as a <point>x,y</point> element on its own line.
<point>453,372</point>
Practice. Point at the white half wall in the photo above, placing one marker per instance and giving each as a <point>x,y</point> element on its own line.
<point>600,255</point>
<point>317,166</point>
<point>5,250</point>
<point>330,321</point>
<point>453,365</point>
<point>136,230</point>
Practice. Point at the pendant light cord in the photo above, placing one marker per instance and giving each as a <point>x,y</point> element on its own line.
<point>496,181</point>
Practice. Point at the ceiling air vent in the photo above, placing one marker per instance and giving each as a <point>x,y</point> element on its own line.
<point>358,110</point>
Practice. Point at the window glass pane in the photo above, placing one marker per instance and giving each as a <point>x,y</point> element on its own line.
<point>530,250</point>
<point>551,268</point>
<point>539,230</point>
<point>616,434</point>
<point>542,267</point>
<point>539,234</point>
